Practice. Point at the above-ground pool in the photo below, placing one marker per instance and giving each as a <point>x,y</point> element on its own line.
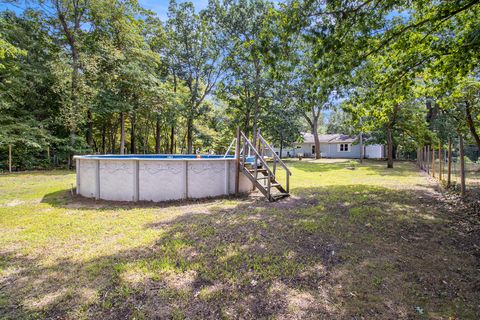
<point>157,177</point>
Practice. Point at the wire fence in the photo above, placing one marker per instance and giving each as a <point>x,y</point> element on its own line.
<point>444,163</point>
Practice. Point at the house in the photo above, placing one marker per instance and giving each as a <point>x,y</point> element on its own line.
<point>333,146</point>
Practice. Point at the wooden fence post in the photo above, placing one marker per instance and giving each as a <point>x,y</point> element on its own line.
<point>462,165</point>
<point>9,158</point>
<point>419,157</point>
<point>440,159</point>
<point>425,162</point>
<point>424,156</point>
<point>237,162</point>
<point>449,171</point>
<point>49,162</point>
<point>428,160</point>
<point>433,162</point>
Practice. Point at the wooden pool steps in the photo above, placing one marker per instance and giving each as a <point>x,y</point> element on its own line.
<point>262,175</point>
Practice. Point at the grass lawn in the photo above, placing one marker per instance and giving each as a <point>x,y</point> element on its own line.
<point>349,244</point>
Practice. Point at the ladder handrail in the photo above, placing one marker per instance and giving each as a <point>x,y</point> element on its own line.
<point>249,144</point>
<point>244,147</point>
<point>275,156</point>
<point>232,144</point>
<point>230,147</point>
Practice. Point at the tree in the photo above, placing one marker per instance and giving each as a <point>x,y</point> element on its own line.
<point>281,121</point>
<point>246,27</point>
<point>125,75</point>
<point>68,20</point>
<point>28,104</point>
<point>393,110</point>
<point>198,58</point>
<point>313,90</point>
<point>341,122</point>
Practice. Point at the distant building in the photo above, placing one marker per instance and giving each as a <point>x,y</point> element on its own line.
<point>333,146</point>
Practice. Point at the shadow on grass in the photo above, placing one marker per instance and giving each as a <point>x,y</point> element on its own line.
<point>46,172</point>
<point>68,199</point>
<point>331,253</point>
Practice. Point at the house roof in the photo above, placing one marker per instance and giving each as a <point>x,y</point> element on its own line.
<point>329,138</point>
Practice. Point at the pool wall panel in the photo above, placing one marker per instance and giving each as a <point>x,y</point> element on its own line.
<point>161,180</point>
<point>87,178</point>
<point>157,180</point>
<point>117,180</point>
<point>206,179</point>
<point>244,185</point>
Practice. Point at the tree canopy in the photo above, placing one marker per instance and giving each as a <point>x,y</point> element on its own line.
<point>96,76</point>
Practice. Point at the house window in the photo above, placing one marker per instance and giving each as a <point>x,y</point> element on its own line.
<point>344,147</point>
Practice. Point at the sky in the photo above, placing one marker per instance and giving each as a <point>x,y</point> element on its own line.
<point>158,6</point>
<point>161,6</point>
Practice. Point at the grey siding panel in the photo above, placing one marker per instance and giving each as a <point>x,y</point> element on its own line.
<point>324,148</point>
<point>334,153</point>
<point>329,150</point>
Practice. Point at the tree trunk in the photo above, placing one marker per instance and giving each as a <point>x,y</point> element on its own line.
<point>172,139</point>
<point>70,32</point>
<point>48,156</point>
<point>255,124</point>
<point>122,133</point>
<point>172,131</point>
<point>104,137</point>
<point>157,136</point>
<point>10,158</point>
<point>281,147</point>
<point>256,101</point>
<point>317,142</point>
<point>72,144</point>
<point>361,147</point>
<point>95,146</point>
<point>190,135</point>
<point>75,72</point>
<point>247,121</point>
<point>113,137</point>
<point>314,127</point>
<point>389,147</point>
<point>111,141</point>
<point>471,124</point>
<point>133,145</point>
<point>90,129</point>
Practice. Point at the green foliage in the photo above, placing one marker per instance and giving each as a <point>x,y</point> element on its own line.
<point>78,76</point>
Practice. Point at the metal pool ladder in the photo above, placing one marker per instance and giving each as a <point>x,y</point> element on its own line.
<point>251,162</point>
